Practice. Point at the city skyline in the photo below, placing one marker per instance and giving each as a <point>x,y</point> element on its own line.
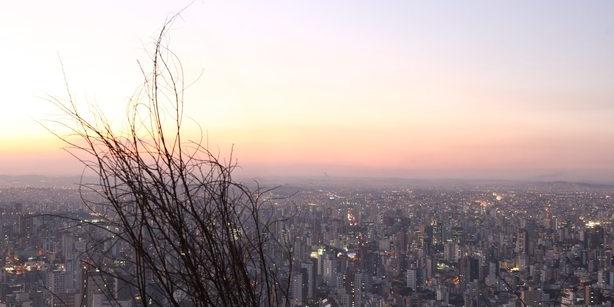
<point>344,153</point>
<point>389,88</point>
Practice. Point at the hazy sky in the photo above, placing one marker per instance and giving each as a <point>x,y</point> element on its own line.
<point>494,89</point>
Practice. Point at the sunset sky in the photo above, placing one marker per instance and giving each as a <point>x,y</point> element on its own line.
<point>439,89</point>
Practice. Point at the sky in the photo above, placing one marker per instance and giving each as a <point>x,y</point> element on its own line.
<point>438,89</point>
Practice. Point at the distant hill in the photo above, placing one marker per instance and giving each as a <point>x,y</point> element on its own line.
<point>37,181</point>
<point>469,184</point>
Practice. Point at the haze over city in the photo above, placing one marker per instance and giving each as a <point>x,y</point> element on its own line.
<point>478,89</point>
<point>322,153</point>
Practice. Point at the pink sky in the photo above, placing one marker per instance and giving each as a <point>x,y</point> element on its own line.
<point>383,88</point>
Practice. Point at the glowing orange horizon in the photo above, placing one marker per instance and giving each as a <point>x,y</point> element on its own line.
<point>382,87</point>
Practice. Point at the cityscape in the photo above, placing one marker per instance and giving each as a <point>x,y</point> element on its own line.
<point>321,153</point>
<point>365,243</point>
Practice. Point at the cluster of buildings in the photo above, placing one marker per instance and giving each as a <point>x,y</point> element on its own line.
<point>368,245</point>
<point>451,247</point>
<point>41,261</point>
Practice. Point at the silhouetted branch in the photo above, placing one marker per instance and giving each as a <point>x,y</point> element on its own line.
<point>171,222</point>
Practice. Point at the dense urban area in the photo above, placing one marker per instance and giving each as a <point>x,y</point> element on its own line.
<point>362,243</point>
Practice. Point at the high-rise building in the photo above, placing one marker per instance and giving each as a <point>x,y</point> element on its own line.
<point>296,289</point>
<point>411,278</point>
<point>594,236</point>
